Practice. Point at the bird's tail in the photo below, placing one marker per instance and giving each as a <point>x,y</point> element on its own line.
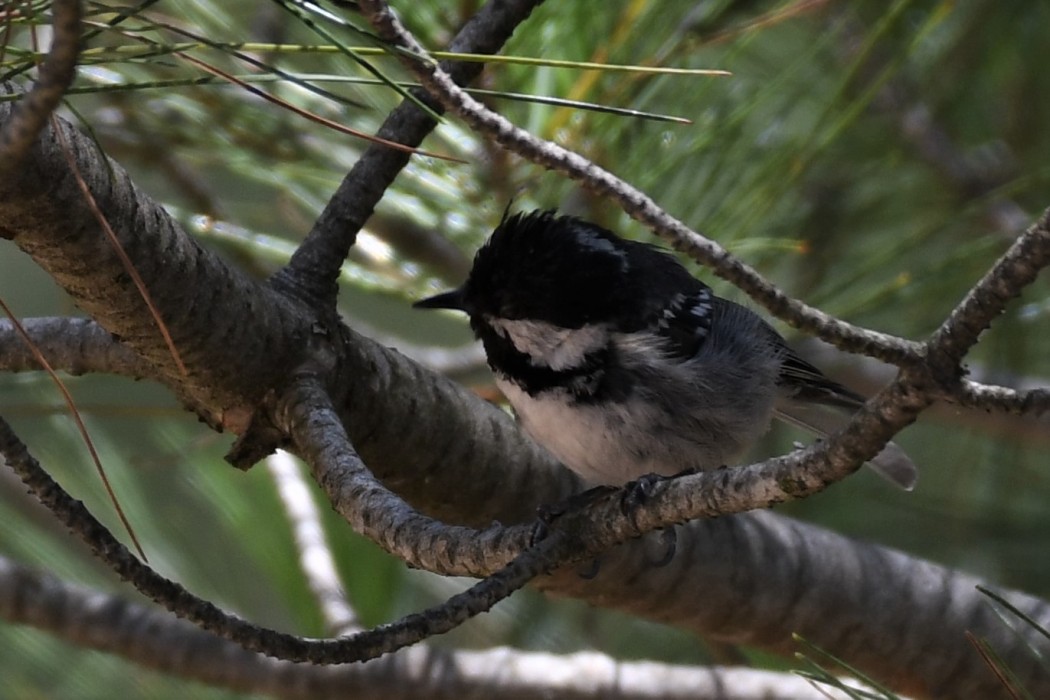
<point>892,463</point>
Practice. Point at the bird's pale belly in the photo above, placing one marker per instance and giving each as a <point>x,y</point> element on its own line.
<point>613,444</point>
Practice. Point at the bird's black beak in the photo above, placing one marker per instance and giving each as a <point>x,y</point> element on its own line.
<point>446,300</point>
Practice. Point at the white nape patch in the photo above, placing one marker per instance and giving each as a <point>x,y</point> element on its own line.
<point>551,346</point>
<point>603,245</point>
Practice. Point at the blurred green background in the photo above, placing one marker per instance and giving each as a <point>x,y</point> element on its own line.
<point>873,158</point>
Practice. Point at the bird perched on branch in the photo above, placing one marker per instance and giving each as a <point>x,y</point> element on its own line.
<point>622,364</point>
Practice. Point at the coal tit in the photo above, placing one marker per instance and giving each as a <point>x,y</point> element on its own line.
<point>622,364</point>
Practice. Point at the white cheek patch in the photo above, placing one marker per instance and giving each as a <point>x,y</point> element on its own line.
<point>551,346</point>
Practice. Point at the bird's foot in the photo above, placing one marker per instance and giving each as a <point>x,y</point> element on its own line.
<point>636,493</point>
<point>547,513</point>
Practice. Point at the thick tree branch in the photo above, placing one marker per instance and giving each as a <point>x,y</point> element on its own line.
<point>232,334</point>
<point>879,609</point>
<point>157,640</point>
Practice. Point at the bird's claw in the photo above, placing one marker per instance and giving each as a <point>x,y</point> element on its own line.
<point>546,514</point>
<point>636,493</point>
<point>669,539</point>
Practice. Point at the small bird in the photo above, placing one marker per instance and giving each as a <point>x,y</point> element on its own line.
<point>622,364</point>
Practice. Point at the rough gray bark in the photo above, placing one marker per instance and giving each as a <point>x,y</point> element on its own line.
<point>755,578</point>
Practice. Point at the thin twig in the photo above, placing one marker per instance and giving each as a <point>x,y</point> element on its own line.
<point>73,345</point>
<point>313,270</point>
<point>31,113</point>
<point>1012,272</point>
<point>1001,398</point>
<point>71,406</point>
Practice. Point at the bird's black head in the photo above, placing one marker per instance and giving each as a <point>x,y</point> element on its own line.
<point>565,271</point>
